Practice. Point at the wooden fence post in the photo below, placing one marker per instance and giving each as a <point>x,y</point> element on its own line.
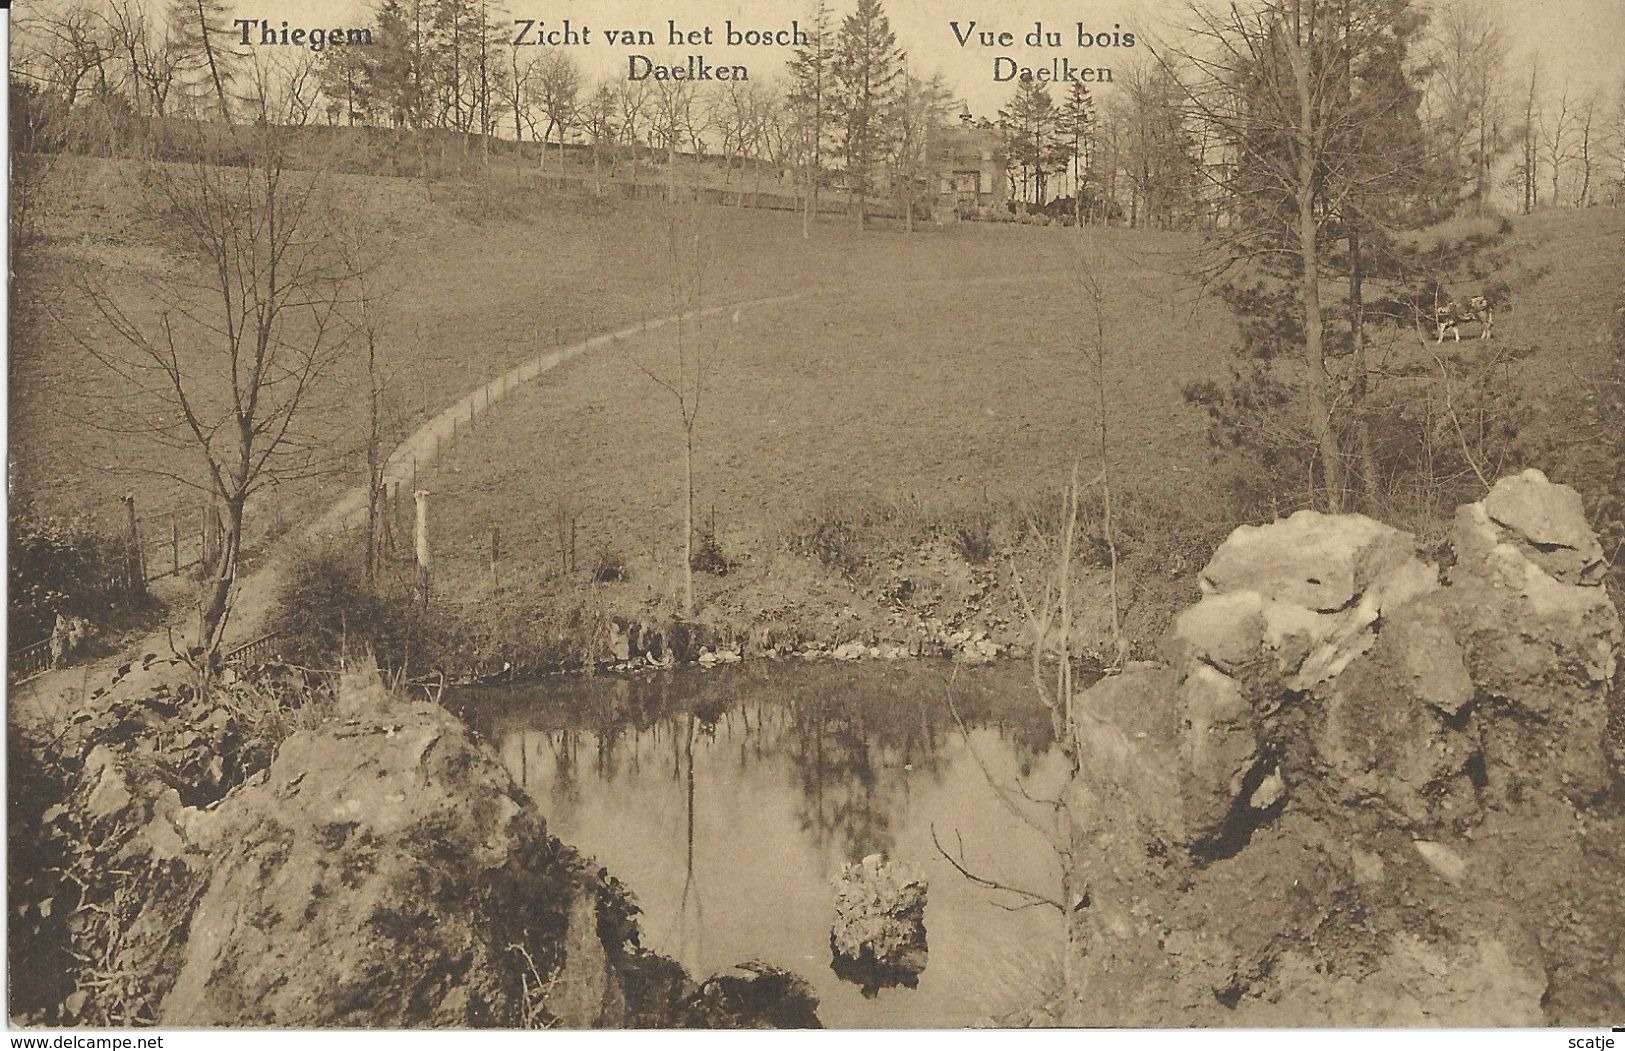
<point>420,544</point>
<point>134,569</point>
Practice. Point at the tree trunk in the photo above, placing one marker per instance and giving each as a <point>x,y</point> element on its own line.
<point>214,68</point>
<point>217,602</point>
<point>1360,378</point>
<point>688,523</point>
<point>1320,411</point>
<point>1481,163</point>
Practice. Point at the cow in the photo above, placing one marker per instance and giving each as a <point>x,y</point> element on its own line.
<point>1452,314</point>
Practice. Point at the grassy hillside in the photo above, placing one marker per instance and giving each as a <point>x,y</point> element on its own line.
<point>480,283</point>
<point>942,363</point>
<point>951,394</point>
<point>917,388</point>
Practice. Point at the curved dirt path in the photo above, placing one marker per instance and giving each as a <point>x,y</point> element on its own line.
<point>38,700</point>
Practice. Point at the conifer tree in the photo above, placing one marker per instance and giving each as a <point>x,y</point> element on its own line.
<point>868,67</point>
<point>203,33</point>
<point>811,71</point>
<point>1075,132</point>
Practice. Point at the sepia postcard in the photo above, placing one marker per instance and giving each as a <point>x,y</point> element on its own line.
<point>851,514</point>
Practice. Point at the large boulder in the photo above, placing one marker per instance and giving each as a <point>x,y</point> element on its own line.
<point>1546,523</point>
<point>1298,598</point>
<point>1285,608</point>
<point>1539,633</point>
<point>880,918</point>
<point>384,871</point>
<point>1393,729</point>
<point>1321,562</point>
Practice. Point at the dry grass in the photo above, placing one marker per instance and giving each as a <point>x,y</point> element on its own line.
<point>931,401</point>
<point>471,300</point>
<point>938,370</point>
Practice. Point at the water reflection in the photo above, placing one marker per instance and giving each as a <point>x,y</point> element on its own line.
<point>728,800</point>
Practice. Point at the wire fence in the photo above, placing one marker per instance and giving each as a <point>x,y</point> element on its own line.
<point>169,542</point>
<point>256,651</point>
<point>29,661</point>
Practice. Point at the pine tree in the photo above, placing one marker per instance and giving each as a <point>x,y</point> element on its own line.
<point>1314,104</point>
<point>203,34</point>
<point>1029,123</point>
<point>1075,133</point>
<point>811,72</point>
<point>868,65</point>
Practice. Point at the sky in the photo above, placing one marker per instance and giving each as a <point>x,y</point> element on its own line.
<point>1577,40</point>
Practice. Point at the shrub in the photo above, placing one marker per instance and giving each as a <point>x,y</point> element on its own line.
<point>708,556</point>
<point>833,534</point>
<point>325,611</point>
<point>609,568</point>
<point>62,566</point>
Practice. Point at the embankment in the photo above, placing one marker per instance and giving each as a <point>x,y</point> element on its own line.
<point>1363,789</point>
<point>259,854</point>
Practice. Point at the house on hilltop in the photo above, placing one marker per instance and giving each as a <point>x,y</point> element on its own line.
<point>970,163</point>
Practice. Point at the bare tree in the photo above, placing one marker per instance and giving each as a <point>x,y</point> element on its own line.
<point>152,49</point>
<point>67,52</point>
<point>366,317</point>
<point>735,111</point>
<point>283,87</point>
<point>1261,77</point>
<point>557,94</point>
<point>597,117</point>
<point>218,362</point>
<point>682,373</point>
<point>1528,167</point>
<point>1095,349</point>
<point>1615,150</point>
<point>920,114</point>
<point>631,110</point>
<point>671,104</point>
<point>1468,53</point>
<point>515,86</point>
<point>1586,152</point>
<point>1557,130</point>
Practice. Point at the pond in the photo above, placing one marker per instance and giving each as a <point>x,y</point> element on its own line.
<point>727,800</point>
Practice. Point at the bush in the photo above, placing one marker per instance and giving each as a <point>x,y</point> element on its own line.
<point>62,566</point>
<point>834,535</point>
<point>610,568</point>
<point>708,556</point>
<point>326,611</point>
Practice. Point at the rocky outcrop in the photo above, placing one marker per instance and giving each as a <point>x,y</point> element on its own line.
<point>879,932</point>
<point>1539,634</point>
<point>1335,727</point>
<point>381,870</point>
